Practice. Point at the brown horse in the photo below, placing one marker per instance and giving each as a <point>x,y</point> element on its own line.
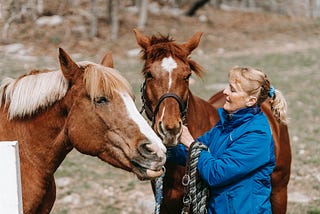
<point>79,106</point>
<point>168,103</point>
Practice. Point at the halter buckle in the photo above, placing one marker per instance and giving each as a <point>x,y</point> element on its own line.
<point>185,180</point>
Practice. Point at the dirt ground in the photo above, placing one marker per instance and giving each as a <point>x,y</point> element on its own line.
<point>227,34</point>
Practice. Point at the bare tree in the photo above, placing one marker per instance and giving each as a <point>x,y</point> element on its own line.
<point>143,14</point>
<point>314,8</point>
<point>16,10</point>
<point>197,5</point>
<point>94,19</point>
<point>115,6</point>
<point>248,3</point>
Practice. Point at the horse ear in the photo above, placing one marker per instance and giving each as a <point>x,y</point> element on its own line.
<point>142,40</point>
<point>107,60</point>
<point>193,42</point>
<point>67,65</point>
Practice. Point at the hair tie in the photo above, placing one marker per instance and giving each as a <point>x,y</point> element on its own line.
<point>271,92</point>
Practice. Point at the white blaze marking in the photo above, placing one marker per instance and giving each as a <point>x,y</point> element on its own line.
<point>162,115</point>
<point>140,121</point>
<point>168,64</point>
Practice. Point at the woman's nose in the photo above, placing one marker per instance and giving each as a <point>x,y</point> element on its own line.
<point>226,91</point>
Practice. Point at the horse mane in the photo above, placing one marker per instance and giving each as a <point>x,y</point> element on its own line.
<point>30,92</point>
<point>37,90</point>
<point>164,46</point>
<point>103,81</point>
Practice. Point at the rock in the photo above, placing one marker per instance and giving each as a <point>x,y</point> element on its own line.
<point>133,52</point>
<point>62,182</point>
<point>297,197</point>
<point>73,199</point>
<point>49,20</point>
<point>12,48</point>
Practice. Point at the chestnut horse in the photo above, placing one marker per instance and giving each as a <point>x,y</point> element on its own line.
<point>51,112</point>
<point>168,103</point>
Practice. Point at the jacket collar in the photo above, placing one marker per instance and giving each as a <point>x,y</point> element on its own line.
<point>238,117</point>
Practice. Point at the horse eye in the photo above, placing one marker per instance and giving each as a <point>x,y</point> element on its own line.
<point>101,100</point>
<point>149,75</point>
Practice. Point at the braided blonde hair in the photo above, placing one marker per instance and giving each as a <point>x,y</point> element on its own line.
<point>256,83</point>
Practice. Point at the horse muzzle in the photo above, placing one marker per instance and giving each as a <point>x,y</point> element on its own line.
<point>169,134</point>
<point>148,162</point>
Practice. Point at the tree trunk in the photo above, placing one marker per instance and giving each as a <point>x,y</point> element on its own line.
<point>197,5</point>
<point>94,19</point>
<point>114,19</point>
<point>109,11</point>
<point>143,14</point>
<point>40,7</point>
<point>248,4</point>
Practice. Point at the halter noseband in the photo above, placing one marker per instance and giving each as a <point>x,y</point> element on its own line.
<point>152,114</point>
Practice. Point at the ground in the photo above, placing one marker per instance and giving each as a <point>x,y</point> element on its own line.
<point>286,47</point>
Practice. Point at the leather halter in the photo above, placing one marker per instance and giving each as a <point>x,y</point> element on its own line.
<point>152,114</point>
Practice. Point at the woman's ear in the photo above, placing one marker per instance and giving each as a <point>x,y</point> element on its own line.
<point>251,101</point>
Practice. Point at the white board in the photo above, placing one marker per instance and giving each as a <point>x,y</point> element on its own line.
<point>10,180</point>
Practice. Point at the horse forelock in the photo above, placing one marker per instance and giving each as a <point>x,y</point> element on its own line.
<point>104,81</point>
<point>29,93</point>
<point>163,47</point>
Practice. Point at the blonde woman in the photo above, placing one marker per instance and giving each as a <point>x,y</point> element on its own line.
<point>240,160</point>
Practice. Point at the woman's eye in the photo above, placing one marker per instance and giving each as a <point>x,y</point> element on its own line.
<point>149,75</point>
<point>101,100</point>
<point>232,89</point>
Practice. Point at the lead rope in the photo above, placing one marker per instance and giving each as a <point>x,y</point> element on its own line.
<point>158,194</point>
<point>195,190</point>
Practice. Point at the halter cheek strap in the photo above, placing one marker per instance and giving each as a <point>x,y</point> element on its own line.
<point>152,114</point>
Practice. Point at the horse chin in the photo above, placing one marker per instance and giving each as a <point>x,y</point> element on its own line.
<point>154,174</point>
<point>149,175</point>
<point>146,174</point>
<point>170,141</point>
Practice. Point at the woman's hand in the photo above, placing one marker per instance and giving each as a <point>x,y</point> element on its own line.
<point>186,138</point>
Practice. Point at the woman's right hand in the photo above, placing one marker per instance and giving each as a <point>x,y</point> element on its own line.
<point>186,138</point>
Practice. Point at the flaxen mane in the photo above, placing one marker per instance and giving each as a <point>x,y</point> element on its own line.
<point>164,46</point>
<point>102,81</point>
<point>28,94</point>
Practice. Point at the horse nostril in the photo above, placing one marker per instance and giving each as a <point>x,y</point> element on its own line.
<point>146,149</point>
<point>161,131</point>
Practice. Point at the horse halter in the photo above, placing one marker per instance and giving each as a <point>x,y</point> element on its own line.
<point>152,114</point>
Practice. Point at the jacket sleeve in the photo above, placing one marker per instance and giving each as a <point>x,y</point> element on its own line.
<point>207,136</point>
<point>243,156</point>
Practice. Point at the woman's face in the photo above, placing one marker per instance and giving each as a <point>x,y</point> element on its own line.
<point>236,97</point>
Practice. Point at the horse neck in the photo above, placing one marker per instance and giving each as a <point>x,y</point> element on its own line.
<point>201,115</point>
<point>42,139</point>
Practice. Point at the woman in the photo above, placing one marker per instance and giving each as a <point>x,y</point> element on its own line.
<point>240,160</point>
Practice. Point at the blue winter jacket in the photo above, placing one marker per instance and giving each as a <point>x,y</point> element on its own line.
<point>239,164</point>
